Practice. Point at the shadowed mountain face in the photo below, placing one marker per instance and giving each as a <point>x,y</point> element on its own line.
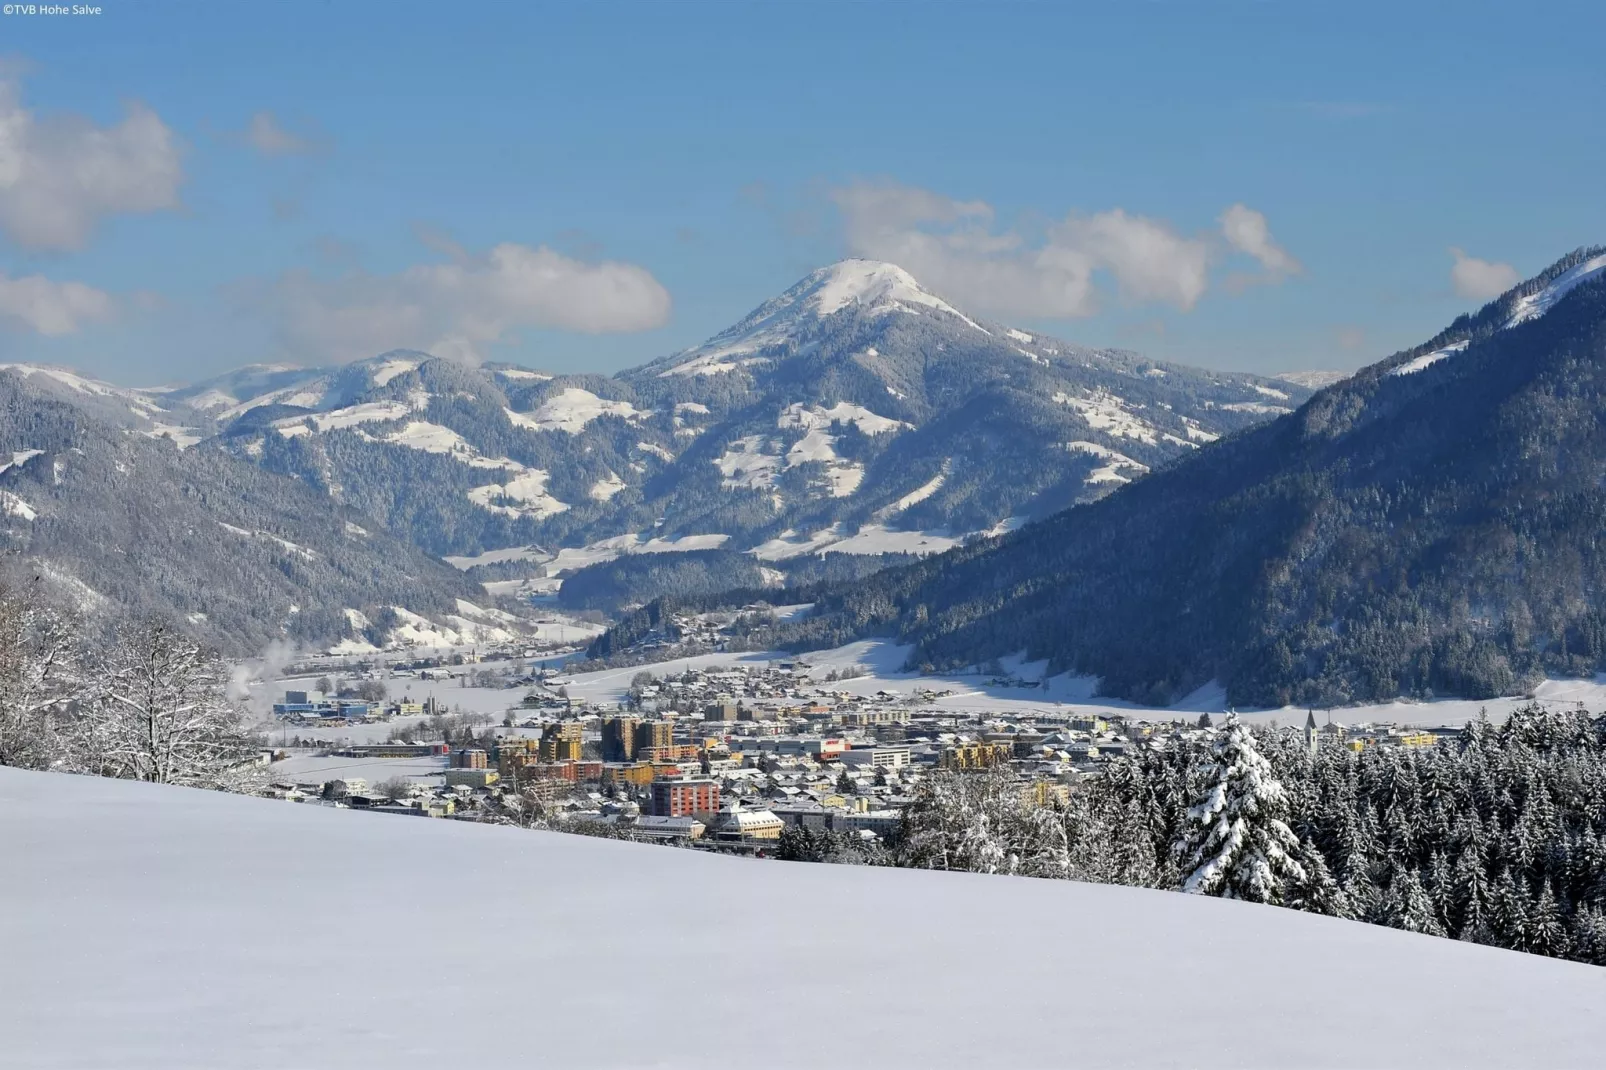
<point>1431,525</point>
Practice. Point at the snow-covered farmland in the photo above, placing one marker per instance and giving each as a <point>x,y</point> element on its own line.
<point>1105,412</point>
<point>493,557</point>
<point>434,438</point>
<point>1117,467</point>
<point>570,559</point>
<point>875,538</point>
<point>387,370</point>
<point>843,412</point>
<point>181,436</point>
<point>745,464</point>
<point>571,410</point>
<point>351,416</point>
<point>523,494</point>
<point>753,461</point>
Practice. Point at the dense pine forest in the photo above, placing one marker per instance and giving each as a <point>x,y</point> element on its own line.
<point>1496,837</point>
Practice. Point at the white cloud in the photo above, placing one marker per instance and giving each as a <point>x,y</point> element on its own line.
<point>953,247</point>
<point>267,136</point>
<point>1246,231</point>
<point>1151,262</point>
<point>458,309</point>
<point>47,307</point>
<point>60,175</point>
<point>1480,280</point>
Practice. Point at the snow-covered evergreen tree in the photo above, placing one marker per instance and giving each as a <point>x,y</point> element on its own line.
<point>977,822</point>
<point>1237,844</point>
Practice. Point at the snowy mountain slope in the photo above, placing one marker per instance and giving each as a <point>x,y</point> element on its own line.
<point>149,412</point>
<point>856,413</point>
<point>855,399</point>
<point>1524,303</point>
<point>122,520</point>
<point>160,928</point>
<point>1428,527</point>
<point>1531,305</point>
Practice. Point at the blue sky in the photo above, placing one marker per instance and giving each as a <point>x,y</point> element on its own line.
<point>189,187</point>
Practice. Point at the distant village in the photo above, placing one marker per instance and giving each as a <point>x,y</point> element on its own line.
<point>721,758</point>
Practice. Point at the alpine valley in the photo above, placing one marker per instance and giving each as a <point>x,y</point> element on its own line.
<point>853,422</point>
<point>1431,525</point>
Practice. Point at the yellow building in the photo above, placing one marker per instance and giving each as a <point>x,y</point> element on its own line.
<point>1045,793</point>
<point>638,773</point>
<point>514,754</point>
<point>474,778</point>
<point>1407,738</point>
<point>561,742</point>
<point>969,756</point>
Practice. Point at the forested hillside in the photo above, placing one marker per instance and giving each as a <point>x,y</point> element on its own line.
<point>117,519</point>
<point>1431,526</point>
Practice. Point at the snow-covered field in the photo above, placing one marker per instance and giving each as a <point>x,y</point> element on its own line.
<point>571,410</point>
<point>374,770</point>
<point>159,928</point>
<point>870,539</point>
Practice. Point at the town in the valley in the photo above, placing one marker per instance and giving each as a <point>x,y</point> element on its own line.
<point>721,757</point>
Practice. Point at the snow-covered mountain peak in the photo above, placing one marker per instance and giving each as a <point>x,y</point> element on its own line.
<point>871,287</point>
<point>871,284</point>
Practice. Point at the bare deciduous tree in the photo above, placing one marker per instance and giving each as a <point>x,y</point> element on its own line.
<point>39,678</point>
<point>161,710</point>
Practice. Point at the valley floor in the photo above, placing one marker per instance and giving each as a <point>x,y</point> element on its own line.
<point>883,662</point>
<point>1020,689</point>
<point>158,928</point>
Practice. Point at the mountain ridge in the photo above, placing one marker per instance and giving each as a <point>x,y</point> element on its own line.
<point>1424,527</point>
<point>818,413</point>
<point>116,516</point>
<point>856,414</point>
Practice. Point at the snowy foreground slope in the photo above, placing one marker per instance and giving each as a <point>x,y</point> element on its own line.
<point>157,927</point>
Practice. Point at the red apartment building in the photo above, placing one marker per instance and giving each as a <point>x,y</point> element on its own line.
<point>682,798</point>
